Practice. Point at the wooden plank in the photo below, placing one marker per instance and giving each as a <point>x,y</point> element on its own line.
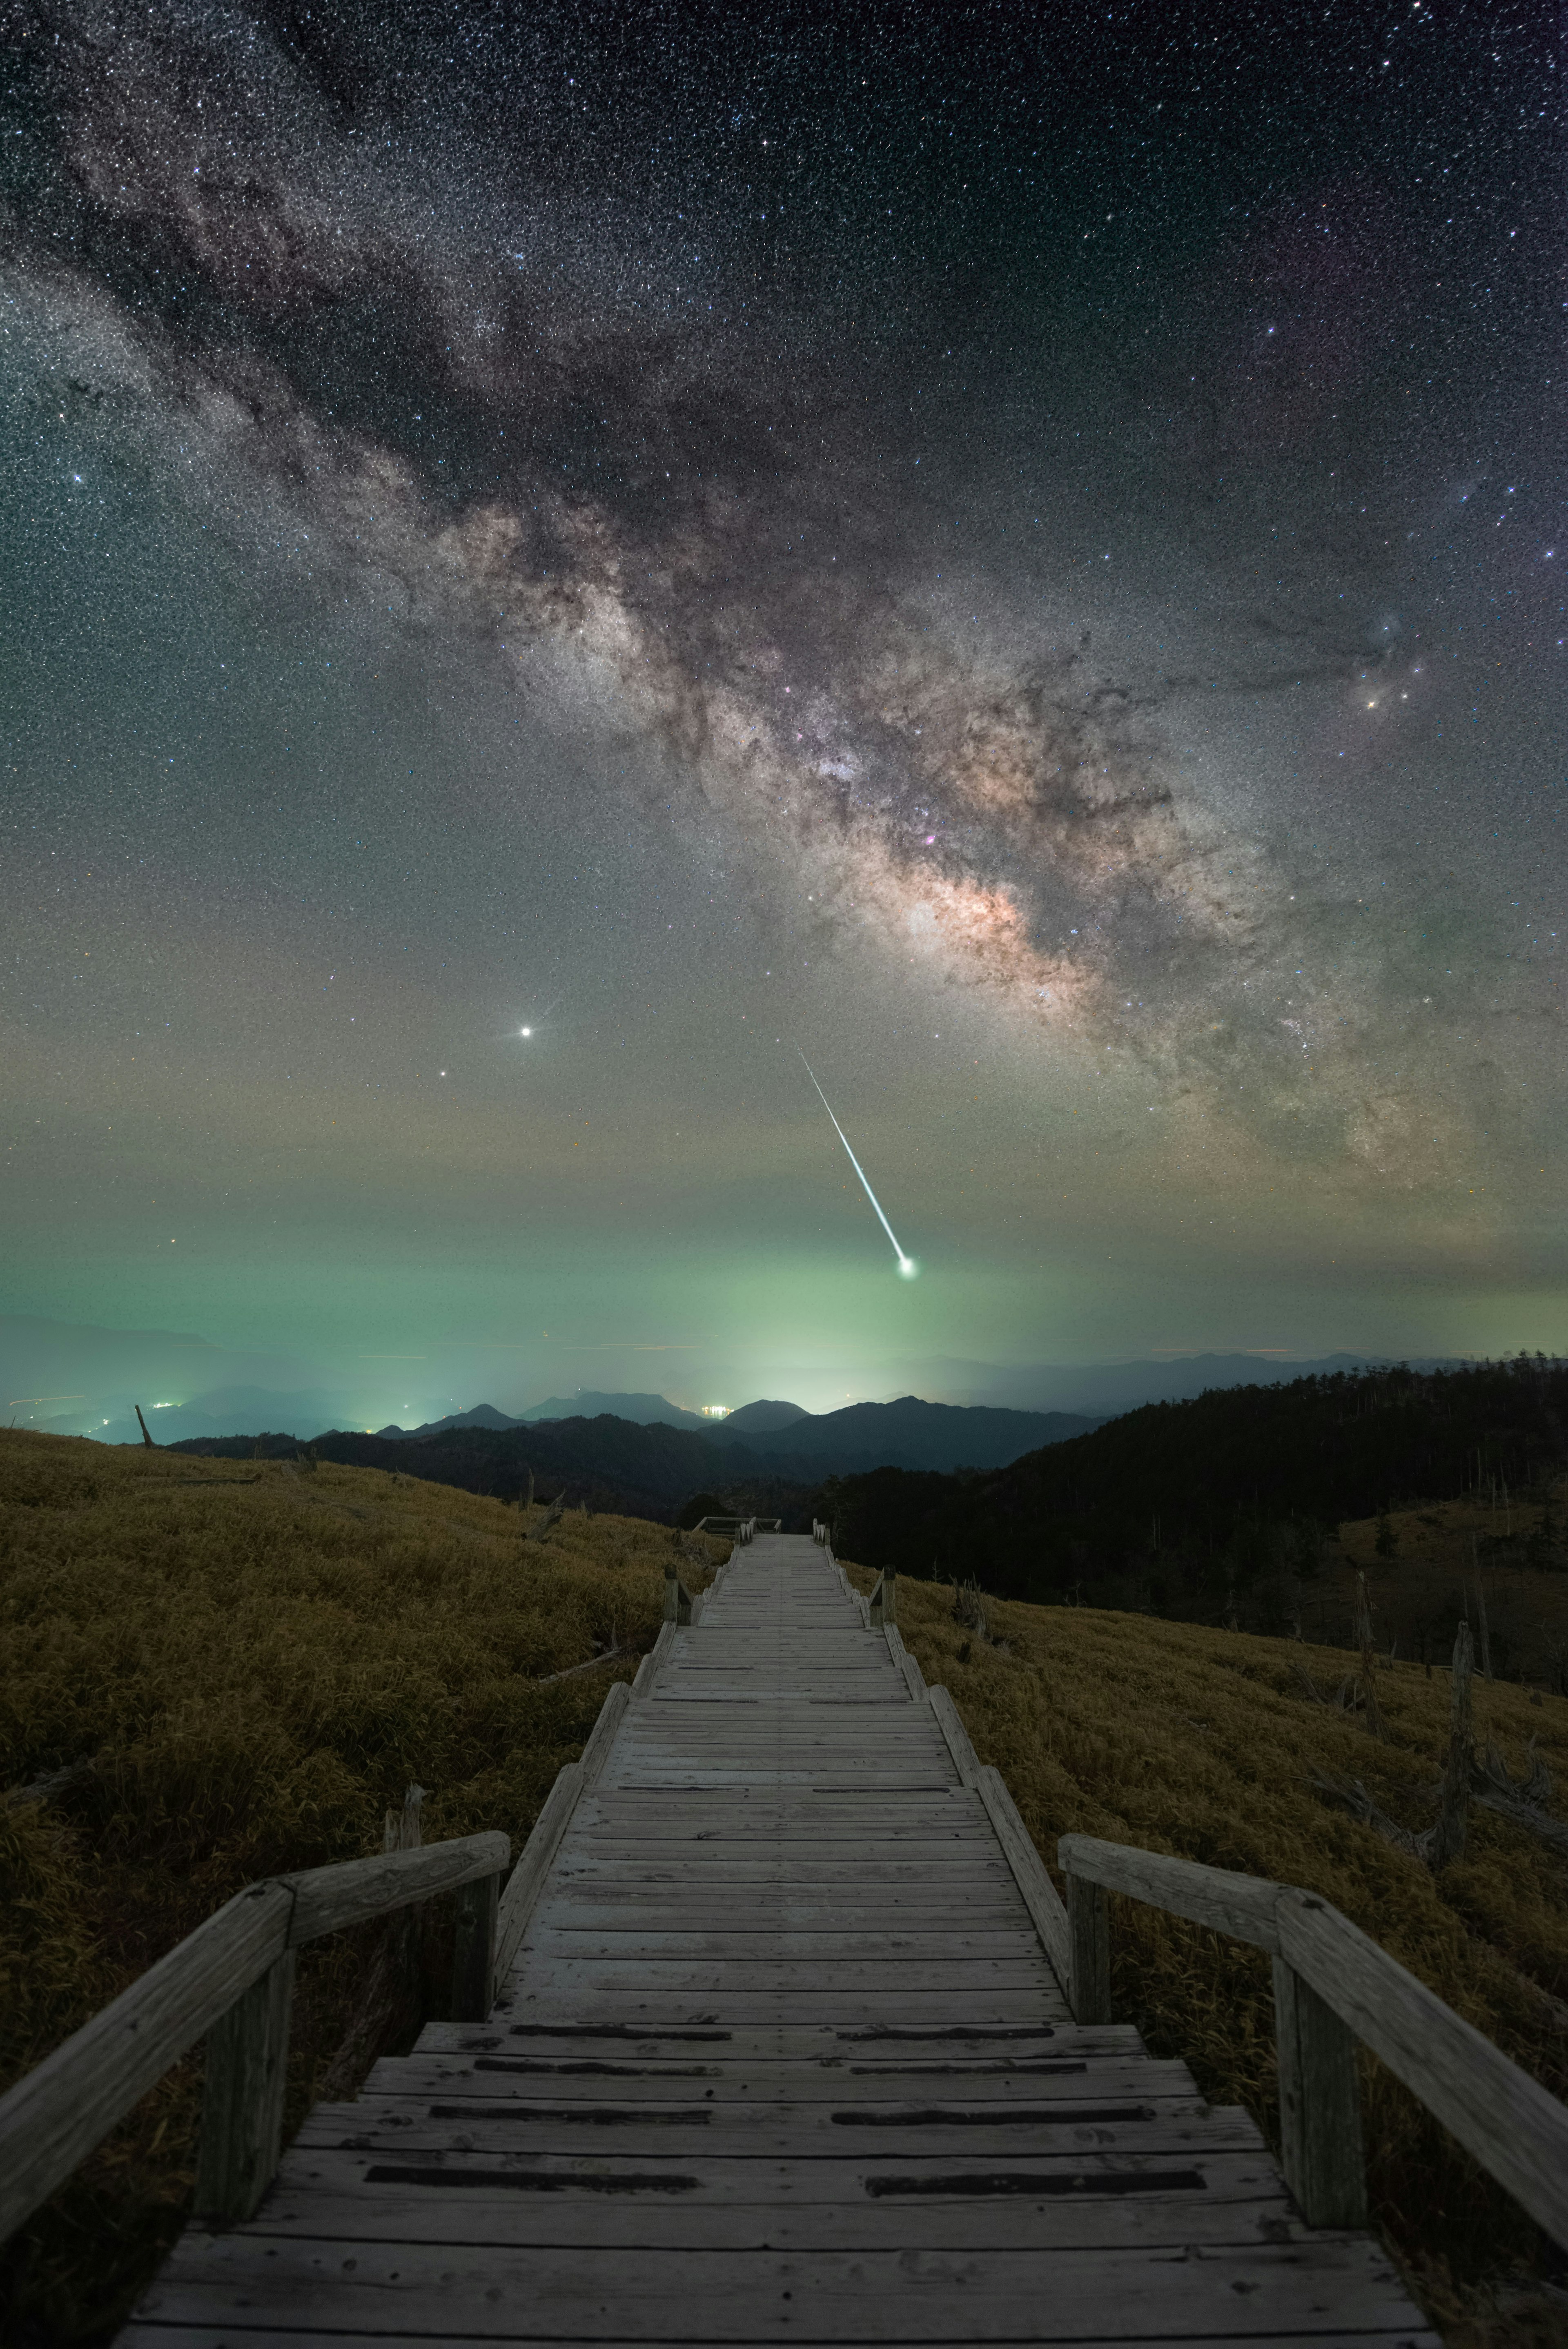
<point>1507,2120</point>
<point>242,2105</point>
<point>474,1951</point>
<point>965,1759</point>
<point>481,2292</point>
<point>766,1942</point>
<point>784,2042</point>
<point>1320,2104</point>
<point>602,1736</point>
<point>55,2117</point>
<point>231,2336</point>
<point>1041,1896</point>
<point>527,1879</point>
<point>1088,1982</point>
<point>512,2074</point>
<point>778,1908</point>
<point>1409,2336</point>
<point>390,2134</point>
<point>326,1899</point>
<point>761,2009</point>
<point>1241,1906</point>
<point>601,2218</point>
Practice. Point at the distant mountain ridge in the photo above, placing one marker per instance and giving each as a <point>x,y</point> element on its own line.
<point>802,1445</point>
<point>649,1470</point>
<point>642,1410</point>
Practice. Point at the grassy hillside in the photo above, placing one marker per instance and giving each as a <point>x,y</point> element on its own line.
<point>1426,1567</point>
<point>1202,1742</point>
<point>251,1665</point>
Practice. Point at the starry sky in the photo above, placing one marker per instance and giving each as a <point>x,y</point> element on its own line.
<point>560,558</point>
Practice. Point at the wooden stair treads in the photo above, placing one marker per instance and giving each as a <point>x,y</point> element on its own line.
<point>781,2059</point>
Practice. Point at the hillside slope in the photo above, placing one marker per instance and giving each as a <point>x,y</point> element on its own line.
<point>1192,1509</point>
<point>251,1663</point>
<point>243,1667</point>
<point>1204,1743</point>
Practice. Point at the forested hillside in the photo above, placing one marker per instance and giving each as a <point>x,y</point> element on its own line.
<point>1207,1510</point>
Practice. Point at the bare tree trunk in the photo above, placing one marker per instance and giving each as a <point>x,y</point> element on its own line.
<point>136,1407</point>
<point>1368,1659</point>
<point>1446,1840</point>
<point>1482,1626</point>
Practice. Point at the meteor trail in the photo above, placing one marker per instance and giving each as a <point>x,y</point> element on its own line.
<point>907,1265</point>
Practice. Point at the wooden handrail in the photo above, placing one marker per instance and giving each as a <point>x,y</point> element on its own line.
<point>535,1860</point>
<point>1333,1985</point>
<point>229,1979</point>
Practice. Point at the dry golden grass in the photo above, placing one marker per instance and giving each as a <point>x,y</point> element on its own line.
<point>252,1665</point>
<point>1441,1551</point>
<point>1197,1742</point>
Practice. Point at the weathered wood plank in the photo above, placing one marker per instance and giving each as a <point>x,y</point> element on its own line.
<point>1320,2104</point>
<point>916,2294</point>
<point>474,1951</point>
<point>1511,2124</point>
<point>1412,2335</point>
<point>603,1735</point>
<point>54,2117</point>
<point>1088,1983</point>
<point>766,1941</point>
<point>527,1879</point>
<point>242,2105</point>
<point>965,1759</point>
<point>513,2074</point>
<point>879,2042</point>
<point>996,2143</point>
<point>1041,1896</point>
<point>326,1899</point>
<point>1243,1905</point>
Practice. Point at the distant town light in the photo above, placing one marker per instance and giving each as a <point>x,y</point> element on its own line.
<point>713,1410</point>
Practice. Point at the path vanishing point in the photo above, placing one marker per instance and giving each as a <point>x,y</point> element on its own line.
<point>780,2059</point>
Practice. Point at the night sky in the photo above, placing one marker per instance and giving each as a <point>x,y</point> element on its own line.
<point>558,559</point>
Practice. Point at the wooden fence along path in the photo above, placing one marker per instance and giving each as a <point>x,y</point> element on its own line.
<point>779,2057</point>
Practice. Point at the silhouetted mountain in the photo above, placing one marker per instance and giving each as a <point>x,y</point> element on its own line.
<point>1184,1508</point>
<point>651,1470</point>
<point>911,1434</point>
<point>611,1463</point>
<point>1104,1390</point>
<point>764,1418</point>
<point>642,1410</point>
<point>484,1415</point>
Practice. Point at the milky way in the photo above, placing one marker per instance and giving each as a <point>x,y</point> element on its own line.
<point>1097,568</point>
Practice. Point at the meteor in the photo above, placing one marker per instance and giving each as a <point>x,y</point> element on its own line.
<point>907,1265</point>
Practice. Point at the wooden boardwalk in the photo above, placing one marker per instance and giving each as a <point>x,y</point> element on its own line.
<point>781,2060</point>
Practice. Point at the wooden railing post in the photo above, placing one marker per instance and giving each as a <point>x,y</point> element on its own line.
<point>473,1950</point>
<point>1321,2148</point>
<point>885,1597</point>
<point>676,1597</point>
<point>242,2109</point>
<point>1089,1937</point>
